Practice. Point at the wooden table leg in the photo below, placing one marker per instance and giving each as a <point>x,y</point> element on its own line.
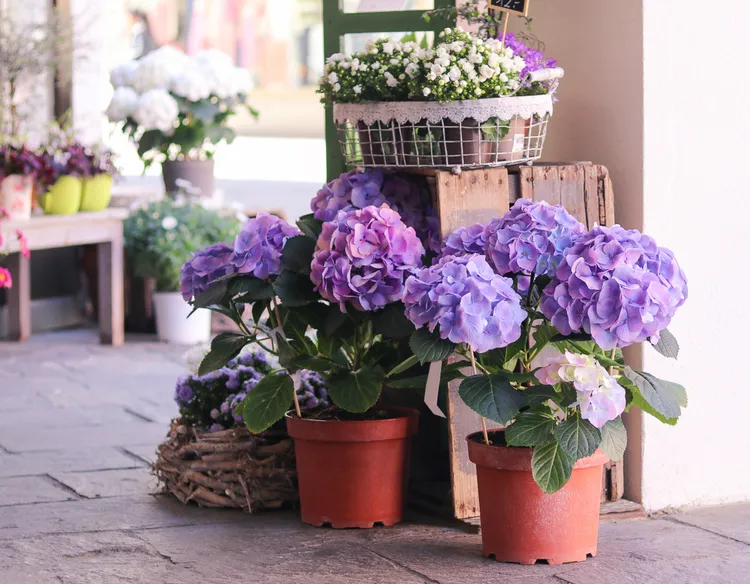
<point>19,298</point>
<point>111,292</point>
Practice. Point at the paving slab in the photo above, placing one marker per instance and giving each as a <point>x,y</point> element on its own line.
<point>115,514</point>
<point>25,490</point>
<point>109,483</point>
<point>727,520</point>
<point>52,462</point>
<point>35,439</point>
<point>145,453</point>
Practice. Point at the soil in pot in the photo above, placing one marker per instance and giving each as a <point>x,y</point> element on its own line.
<point>353,470</point>
<point>523,524</point>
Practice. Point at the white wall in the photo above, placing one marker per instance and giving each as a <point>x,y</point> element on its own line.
<point>652,90</point>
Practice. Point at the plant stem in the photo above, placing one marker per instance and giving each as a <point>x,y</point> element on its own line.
<point>484,422</point>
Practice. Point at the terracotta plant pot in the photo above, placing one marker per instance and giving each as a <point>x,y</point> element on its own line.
<point>64,197</point>
<point>523,524</point>
<point>199,173</point>
<point>381,144</point>
<point>97,192</point>
<point>353,473</point>
<point>16,195</point>
<point>463,143</point>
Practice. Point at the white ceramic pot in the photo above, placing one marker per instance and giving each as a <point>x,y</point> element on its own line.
<point>15,196</point>
<point>172,322</point>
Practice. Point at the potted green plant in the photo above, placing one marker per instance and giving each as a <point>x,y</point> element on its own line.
<point>541,308</point>
<point>177,110</point>
<point>97,184</point>
<point>326,297</point>
<point>159,239</point>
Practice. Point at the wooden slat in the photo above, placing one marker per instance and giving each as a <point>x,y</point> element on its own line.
<point>19,298</point>
<point>591,195</point>
<point>546,184</point>
<point>572,179</point>
<point>112,291</point>
<point>474,196</point>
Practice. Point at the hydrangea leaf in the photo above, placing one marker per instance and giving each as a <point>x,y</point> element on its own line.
<point>298,253</point>
<point>655,397</point>
<point>551,467</point>
<point>578,437</point>
<point>492,396</point>
<point>667,345</point>
<point>614,439</point>
<point>391,322</point>
<point>224,348</point>
<point>356,391</point>
<point>267,403</point>
<point>214,294</point>
<point>294,289</point>
<point>543,335</point>
<point>249,289</point>
<point>539,394</point>
<point>530,429</point>
<point>310,226</point>
<point>429,347</point>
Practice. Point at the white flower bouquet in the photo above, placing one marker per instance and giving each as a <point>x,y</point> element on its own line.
<point>464,102</point>
<point>177,107</point>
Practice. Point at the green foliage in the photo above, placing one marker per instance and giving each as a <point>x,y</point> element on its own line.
<point>492,397</point>
<point>429,347</point>
<point>162,236</point>
<point>667,345</point>
<point>530,429</point>
<point>268,402</point>
<point>551,467</point>
<point>356,391</point>
<point>614,439</point>
<point>577,437</point>
<point>224,348</point>
<point>658,398</point>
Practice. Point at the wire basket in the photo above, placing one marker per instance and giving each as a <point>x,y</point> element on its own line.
<point>463,134</point>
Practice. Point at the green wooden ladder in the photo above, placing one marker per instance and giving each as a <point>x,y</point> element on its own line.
<point>337,24</point>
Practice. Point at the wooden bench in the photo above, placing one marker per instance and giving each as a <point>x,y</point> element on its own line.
<point>103,229</point>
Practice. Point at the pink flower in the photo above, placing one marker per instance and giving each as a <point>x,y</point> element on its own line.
<point>5,280</point>
<point>23,242</point>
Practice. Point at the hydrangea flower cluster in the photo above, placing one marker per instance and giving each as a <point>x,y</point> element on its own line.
<point>531,238</point>
<point>203,268</point>
<point>466,241</point>
<point>599,396</point>
<point>406,195</point>
<point>616,285</point>
<point>380,73</point>
<point>258,247</point>
<point>467,301</point>
<point>363,256</point>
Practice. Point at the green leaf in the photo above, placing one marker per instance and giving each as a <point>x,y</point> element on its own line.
<point>661,398</point>
<point>224,348</point>
<point>667,345</point>
<point>298,253</point>
<point>310,226</point>
<point>543,335</point>
<point>492,396</point>
<point>294,289</point>
<point>403,366</point>
<point>213,295</point>
<point>249,289</point>
<point>614,439</point>
<point>512,354</point>
<point>356,391</point>
<point>551,467</point>
<point>287,354</point>
<point>258,309</point>
<point>391,322</point>
<point>429,347</point>
<point>295,329</point>
<point>267,403</point>
<point>678,390</point>
<point>539,394</point>
<point>418,382</point>
<point>530,429</point>
<point>578,437</point>
<point>319,364</point>
<point>204,110</point>
<point>336,319</point>
<point>150,140</point>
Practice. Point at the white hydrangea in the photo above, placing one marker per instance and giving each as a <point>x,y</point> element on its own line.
<point>243,82</point>
<point>152,73</point>
<point>157,110</point>
<point>190,84</point>
<point>123,75</point>
<point>214,59</point>
<point>123,104</point>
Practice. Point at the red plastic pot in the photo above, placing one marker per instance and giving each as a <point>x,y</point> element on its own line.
<point>523,524</point>
<point>353,473</point>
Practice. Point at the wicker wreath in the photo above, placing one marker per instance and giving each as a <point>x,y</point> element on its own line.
<point>232,468</point>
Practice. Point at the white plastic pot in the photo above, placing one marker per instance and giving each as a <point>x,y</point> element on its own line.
<point>172,322</point>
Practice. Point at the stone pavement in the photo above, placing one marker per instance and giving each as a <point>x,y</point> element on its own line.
<point>78,423</point>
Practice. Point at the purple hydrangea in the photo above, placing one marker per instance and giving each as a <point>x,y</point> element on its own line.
<point>203,268</point>
<point>616,285</point>
<point>531,238</point>
<point>373,187</point>
<point>466,241</point>
<point>312,392</point>
<point>467,301</point>
<point>258,247</point>
<point>363,257</point>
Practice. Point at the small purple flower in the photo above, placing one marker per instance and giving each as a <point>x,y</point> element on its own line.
<point>372,187</point>
<point>363,257</point>
<point>312,392</point>
<point>466,241</point>
<point>203,268</point>
<point>531,238</point>
<point>258,247</point>
<point>467,301</point>
<point>535,60</point>
<point>616,285</point>
<point>216,428</point>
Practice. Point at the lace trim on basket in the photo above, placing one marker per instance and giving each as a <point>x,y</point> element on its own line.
<point>415,112</point>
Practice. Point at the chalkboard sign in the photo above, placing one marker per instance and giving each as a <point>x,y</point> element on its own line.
<point>515,6</point>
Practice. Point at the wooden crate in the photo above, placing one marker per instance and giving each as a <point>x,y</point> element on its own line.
<point>476,196</point>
